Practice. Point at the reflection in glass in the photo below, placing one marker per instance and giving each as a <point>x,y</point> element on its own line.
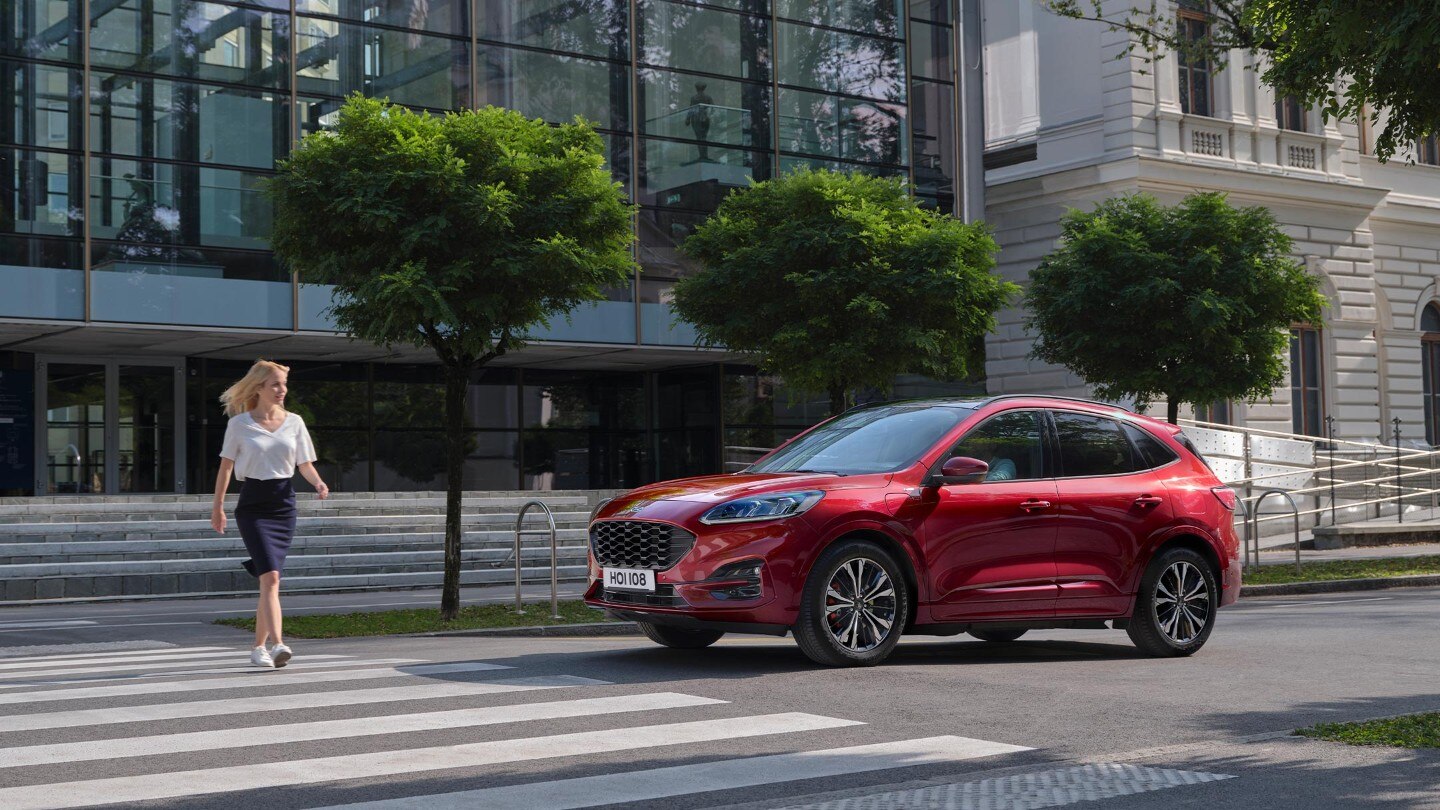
<point>672,174</point>
<point>849,129</point>
<point>932,123</point>
<point>702,39</point>
<point>930,47</point>
<point>148,203</point>
<point>677,105</point>
<point>337,59</point>
<point>193,40</point>
<point>75,433</point>
<point>589,27</point>
<point>840,63</point>
<point>662,231</point>
<point>189,285</point>
<point>42,29</point>
<point>555,88</point>
<point>937,11</point>
<point>575,400</point>
<point>147,429</point>
<point>40,192</point>
<point>37,105</point>
<point>410,460</point>
<point>42,278</point>
<point>436,16</point>
<point>577,459</point>
<point>879,17</point>
<point>146,117</point>
<point>789,164</point>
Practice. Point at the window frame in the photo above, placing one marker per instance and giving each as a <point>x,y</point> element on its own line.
<point>1427,150</point>
<point>1186,73</point>
<point>1297,333</point>
<point>1287,105</point>
<point>1049,462</point>
<point>1430,379</point>
<point>1135,454</point>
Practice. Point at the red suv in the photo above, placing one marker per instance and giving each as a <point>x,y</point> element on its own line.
<point>932,517</point>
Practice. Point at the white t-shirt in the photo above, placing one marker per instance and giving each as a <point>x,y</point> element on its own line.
<point>259,453</point>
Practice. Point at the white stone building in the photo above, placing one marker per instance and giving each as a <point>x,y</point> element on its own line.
<point>1067,124</point>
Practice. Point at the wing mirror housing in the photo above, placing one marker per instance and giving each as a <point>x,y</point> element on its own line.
<point>960,470</point>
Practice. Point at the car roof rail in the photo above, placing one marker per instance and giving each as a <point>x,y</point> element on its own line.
<point>1000,397</point>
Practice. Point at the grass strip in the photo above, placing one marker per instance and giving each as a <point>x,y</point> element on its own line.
<point>1410,731</point>
<point>426,620</point>
<point>1281,573</point>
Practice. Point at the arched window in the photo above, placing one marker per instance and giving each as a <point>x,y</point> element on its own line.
<point>1430,360</point>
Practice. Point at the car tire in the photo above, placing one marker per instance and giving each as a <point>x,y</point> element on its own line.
<point>998,635</point>
<point>854,633</point>
<point>1175,608</point>
<point>679,638</point>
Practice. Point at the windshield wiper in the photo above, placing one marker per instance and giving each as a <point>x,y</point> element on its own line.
<point>826,472</point>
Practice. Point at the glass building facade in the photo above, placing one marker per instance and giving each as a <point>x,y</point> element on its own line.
<point>136,136</point>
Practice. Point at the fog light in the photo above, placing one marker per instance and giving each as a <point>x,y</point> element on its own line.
<point>739,580</point>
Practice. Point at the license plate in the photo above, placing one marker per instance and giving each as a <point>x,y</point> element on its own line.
<point>630,579</point>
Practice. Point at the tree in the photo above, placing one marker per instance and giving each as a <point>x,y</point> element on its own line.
<point>457,232</point>
<point>1192,302</point>
<point>1349,58</point>
<point>836,281</point>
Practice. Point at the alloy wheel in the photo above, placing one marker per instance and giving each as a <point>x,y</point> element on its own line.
<point>1182,603</point>
<point>860,605</point>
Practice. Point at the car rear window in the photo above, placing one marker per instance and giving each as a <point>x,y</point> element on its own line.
<point>1155,452</point>
<point>1189,445</point>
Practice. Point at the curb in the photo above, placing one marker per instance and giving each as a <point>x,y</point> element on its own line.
<point>576,630</point>
<point>1342,585</point>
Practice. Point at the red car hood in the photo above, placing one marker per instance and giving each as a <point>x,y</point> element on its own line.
<point>720,488</point>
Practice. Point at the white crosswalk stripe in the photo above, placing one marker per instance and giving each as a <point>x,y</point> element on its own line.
<point>44,743</point>
<point>135,667</point>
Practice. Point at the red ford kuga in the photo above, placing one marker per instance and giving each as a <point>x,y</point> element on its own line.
<point>932,517</point>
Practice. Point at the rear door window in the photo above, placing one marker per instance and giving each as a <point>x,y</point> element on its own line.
<point>1093,445</point>
<point>1155,452</point>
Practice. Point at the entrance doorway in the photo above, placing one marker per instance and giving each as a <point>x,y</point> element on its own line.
<point>109,426</point>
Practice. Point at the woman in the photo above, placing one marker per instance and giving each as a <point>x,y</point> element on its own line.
<point>263,446</point>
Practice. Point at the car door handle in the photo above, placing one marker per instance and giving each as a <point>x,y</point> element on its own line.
<point>1033,504</point>
<point>1149,500</point>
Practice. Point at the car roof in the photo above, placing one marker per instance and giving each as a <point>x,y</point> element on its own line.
<point>1035,400</point>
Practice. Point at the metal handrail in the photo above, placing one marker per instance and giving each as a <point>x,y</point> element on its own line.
<point>554,556</point>
<point>1298,437</point>
<point>1255,519</point>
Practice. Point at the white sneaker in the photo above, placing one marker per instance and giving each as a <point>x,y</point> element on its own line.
<point>260,658</point>
<point>280,654</point>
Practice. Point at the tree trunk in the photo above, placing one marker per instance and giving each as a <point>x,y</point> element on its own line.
<point>837,398</point>
<point>1172,410</point>
<point>457,380</point>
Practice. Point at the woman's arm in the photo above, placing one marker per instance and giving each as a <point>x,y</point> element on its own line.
<point>222,483</point>
<point>308,471</point>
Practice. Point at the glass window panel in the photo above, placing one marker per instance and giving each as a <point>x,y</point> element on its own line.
<point>573,459</point>
<point>701,39</point>
<point>932,127</point>
<point>932,10</point>
<point>75,432</point>
<point>38,105</point>
<point>149,117</point>
<point>1092,445</point>
<point>789,163</point>
<point>1155,452</point>
<point>930,51</point>
<point>840,63</point>
<point>492,462</point>
<point>42,29</point>
<point>331,395</point>
<point>676,105</point>
<point>494,401</point>
<point>1430,318</point>
<point>673,175</point>
<point>555,88</point>
<point>417,70</point>
<point>411,460</point>
<point>409,404</point>
<point>880,17</point>
<point>1310,339</point>
<point>578,400</point>
<point>147,425</point>
<point>189,285</point>
<point>40,192</point>
<point>166,204</point>
<point>342,459</point>
<point>193,40</point>
<point>42,278</point>
<point>845,128</point>
<point>1011,443</point>
<point>592,28</point>
<point>661,232</point>
<point>435,16</point>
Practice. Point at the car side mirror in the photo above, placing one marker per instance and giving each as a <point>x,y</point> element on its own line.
<point>961,470</point>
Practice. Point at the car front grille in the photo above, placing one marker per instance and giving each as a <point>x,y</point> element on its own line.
<point>664,596</point>
<point>639,544</point>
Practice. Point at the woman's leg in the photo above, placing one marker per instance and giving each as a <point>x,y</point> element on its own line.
<point>267,613</point>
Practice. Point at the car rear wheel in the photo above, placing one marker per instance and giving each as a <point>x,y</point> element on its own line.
<point>1175,609</point>
<point>854,606</point>
<point>998,635</point>
<point>679,638</point>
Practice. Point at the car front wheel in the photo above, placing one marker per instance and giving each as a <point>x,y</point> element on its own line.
<point>1175,609</point>
<point>854,606</point>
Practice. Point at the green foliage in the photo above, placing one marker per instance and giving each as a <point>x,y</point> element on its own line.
<point>1407,731</point>
<point>1282,571</point>
<point>1337,55</point>
<point>459,231</point>
<point>836,281</point>
<point>1192,303</point>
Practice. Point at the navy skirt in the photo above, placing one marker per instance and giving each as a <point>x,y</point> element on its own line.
<point>266,517</point>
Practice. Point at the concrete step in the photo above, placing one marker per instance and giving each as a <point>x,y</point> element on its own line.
<point>239,583</point>
<point>112,513</point>
<point>1376,534</point>
<point>306,524</point>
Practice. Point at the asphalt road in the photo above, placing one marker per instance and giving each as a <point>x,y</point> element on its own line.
<point>168,719</point>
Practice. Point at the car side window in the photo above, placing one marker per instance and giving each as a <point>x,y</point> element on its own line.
<point>1093,445</point>
<point>1011,443</point>
<point>1155,452</point>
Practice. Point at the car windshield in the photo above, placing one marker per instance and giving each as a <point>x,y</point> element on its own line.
<point>884,438</point>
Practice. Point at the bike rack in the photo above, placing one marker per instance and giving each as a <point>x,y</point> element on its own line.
<point>1254,518</point>
<point>554,556</point>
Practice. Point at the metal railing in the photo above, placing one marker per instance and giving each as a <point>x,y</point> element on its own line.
<point>519,561</point>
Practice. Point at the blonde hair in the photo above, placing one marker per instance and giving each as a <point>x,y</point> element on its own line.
<point>245,395</point>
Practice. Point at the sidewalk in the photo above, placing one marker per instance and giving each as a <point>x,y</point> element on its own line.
<point>1287,555</point>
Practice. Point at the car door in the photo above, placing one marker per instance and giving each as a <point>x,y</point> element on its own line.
<point>990,545</point>
<point>1111,503</point>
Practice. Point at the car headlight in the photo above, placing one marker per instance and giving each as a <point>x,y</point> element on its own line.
<point>763,507</point>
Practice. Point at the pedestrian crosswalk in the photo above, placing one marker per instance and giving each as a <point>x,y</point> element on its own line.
<point>150,733</point>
